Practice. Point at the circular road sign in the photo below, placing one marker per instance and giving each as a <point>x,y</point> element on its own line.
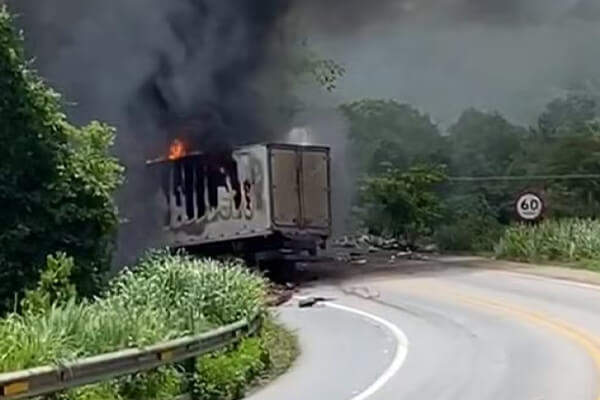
<point>530,206</point>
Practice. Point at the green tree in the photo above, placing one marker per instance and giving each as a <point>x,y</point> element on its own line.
<point>385,133</point>
<point>566,141</point>
<point>403,204</point>
<point>56,180</point>
<point>484,144</point>
<point>576,154</point>
<point>573,114</point>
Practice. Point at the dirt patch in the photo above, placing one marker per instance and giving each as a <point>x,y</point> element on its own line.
<point>279,294</point>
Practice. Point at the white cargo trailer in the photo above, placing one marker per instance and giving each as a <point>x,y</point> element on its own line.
<point>261,200</point>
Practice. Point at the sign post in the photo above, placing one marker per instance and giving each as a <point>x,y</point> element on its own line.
<point>529,207</point>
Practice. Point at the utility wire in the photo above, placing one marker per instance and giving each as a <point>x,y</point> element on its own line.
<point>524,178</point>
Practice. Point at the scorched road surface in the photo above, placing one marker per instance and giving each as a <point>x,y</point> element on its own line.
<point>467,334</point>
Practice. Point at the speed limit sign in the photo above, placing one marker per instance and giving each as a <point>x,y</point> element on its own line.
<point>530,206</point>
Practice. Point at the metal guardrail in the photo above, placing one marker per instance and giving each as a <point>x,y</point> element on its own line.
<point>50,379</point>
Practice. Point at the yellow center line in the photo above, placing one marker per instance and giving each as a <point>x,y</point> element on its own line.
<point>585,340</point>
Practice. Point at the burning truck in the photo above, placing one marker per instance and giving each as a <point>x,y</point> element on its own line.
<point>265,203</point>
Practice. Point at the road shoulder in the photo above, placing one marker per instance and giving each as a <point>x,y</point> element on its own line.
<point>546,271</point>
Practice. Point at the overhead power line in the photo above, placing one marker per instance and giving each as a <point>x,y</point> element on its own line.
<point>524,178</point>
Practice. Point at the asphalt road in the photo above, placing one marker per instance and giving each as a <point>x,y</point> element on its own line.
<point>466,334</point>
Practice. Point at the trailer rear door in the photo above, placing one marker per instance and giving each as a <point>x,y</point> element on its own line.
<point>301,187</point>
<point>285,187</point>
<point>315,189</point>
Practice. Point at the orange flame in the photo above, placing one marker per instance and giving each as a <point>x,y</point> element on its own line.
<point>177,150</point>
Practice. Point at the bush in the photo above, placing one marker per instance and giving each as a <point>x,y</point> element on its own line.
<point>165,383</point>
<point>226,376</point>
<point>470,224</point>
<point>568,240</point>
<point>282,348</point>
<point>54,287</point>
<point>166,297</point>
<point>163,297</point>
<point>403,204</point>
<point>477,234</point>
<point>220,292</point>
<point>56,181</point>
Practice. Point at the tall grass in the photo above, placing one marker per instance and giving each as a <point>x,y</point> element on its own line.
<point>566,240</point>
<point>164,297</point>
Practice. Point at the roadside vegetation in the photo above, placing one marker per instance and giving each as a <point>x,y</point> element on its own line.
<point>574,242</point>
<point>57,234</point>
<point>163,297</point>
<point>454,188</point>
<point>56,181</point>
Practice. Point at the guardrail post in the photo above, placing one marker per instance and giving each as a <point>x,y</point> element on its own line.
<point>190,373</point>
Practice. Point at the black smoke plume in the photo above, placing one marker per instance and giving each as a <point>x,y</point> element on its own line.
<point>156,69</point>
<point>209,70</point>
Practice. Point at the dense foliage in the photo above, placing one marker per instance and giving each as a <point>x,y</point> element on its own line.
<point>164,297</point>
<point>54,286</point>
<point>56,180</point>
<point>507,158</point>
<point>387,134</point>
<point>227,375</point>
<point>566,240</point>
<point>403,204</point>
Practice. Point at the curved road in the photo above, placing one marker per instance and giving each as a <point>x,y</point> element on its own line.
<point>469,335</point>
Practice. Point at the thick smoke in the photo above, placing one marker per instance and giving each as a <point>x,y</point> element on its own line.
<point>349,16</point>
<point>326,126</point>
<point>156,62</point>
<point>446,55</point>
<point>197,69</point>
<point>208,70</point>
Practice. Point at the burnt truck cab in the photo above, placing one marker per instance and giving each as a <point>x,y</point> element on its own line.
<point>262,202</point>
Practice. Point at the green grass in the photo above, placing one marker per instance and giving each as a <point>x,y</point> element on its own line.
<point>575,242</point>
<point>252,364</point>
<point>163,297</point>
<point>283,349</point>
<point>590,265</point>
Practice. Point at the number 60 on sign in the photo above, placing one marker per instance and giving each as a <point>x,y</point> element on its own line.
<point>530,206</point>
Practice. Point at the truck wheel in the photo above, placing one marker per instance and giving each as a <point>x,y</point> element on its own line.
<point>289,271</point>
<point>279,271</point>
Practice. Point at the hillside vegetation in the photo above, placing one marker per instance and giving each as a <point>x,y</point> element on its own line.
<point>56,181</point>
<point>458,187</point>
<point>57,233</point>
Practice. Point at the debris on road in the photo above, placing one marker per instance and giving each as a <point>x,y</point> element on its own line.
<point>311,301</point>
<point>278,294</point>
<point>362,291</point>
<point>352,258</point>
<point>370,243</point>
